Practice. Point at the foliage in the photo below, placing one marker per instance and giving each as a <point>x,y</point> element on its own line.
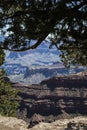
<point>8,95</point>
<point>65,21</point>
<point>2,55</point>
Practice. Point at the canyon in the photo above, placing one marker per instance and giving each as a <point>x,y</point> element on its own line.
<point>52,99</point>
<point>58,103</point>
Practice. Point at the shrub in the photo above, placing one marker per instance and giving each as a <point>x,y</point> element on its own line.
<point>8,96</point>
<point>2,57</point>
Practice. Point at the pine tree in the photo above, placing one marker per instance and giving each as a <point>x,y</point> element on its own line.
<point>8,95</point>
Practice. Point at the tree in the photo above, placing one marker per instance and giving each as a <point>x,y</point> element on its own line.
<point>64,22</point>
<point>2,55</point>
<point>8,95</point>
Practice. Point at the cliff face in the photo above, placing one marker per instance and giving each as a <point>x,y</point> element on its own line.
<point>55,96</point>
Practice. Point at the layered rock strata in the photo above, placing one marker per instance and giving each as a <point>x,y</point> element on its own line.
<point>54,96</point>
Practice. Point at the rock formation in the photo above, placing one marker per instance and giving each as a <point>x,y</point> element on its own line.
<point>50,101</point>
<point>12,123</point>
<point>56,96</point>
<point>36,119</point>
<point>77,123</point>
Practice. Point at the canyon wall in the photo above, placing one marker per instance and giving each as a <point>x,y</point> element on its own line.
<point>54,96</point>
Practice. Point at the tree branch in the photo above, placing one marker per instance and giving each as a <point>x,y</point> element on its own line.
<point>80,5</point>
<point>24,48</point>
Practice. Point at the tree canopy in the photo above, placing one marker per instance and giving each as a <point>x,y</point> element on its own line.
<point>63,22</point>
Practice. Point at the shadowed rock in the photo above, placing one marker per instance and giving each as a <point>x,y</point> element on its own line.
<point>55,96</point>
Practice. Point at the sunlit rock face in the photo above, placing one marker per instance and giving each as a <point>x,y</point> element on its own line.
<point>66,124</point>
<point>10,123</point>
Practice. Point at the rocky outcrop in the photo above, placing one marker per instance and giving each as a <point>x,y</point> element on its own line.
<point>58,95</point>
<point>12,123</point>
<point>36,119</point>
<point>77,123</point>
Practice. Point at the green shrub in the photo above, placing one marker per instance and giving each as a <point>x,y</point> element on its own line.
<point>8,96</point>
<point>2,57</point>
